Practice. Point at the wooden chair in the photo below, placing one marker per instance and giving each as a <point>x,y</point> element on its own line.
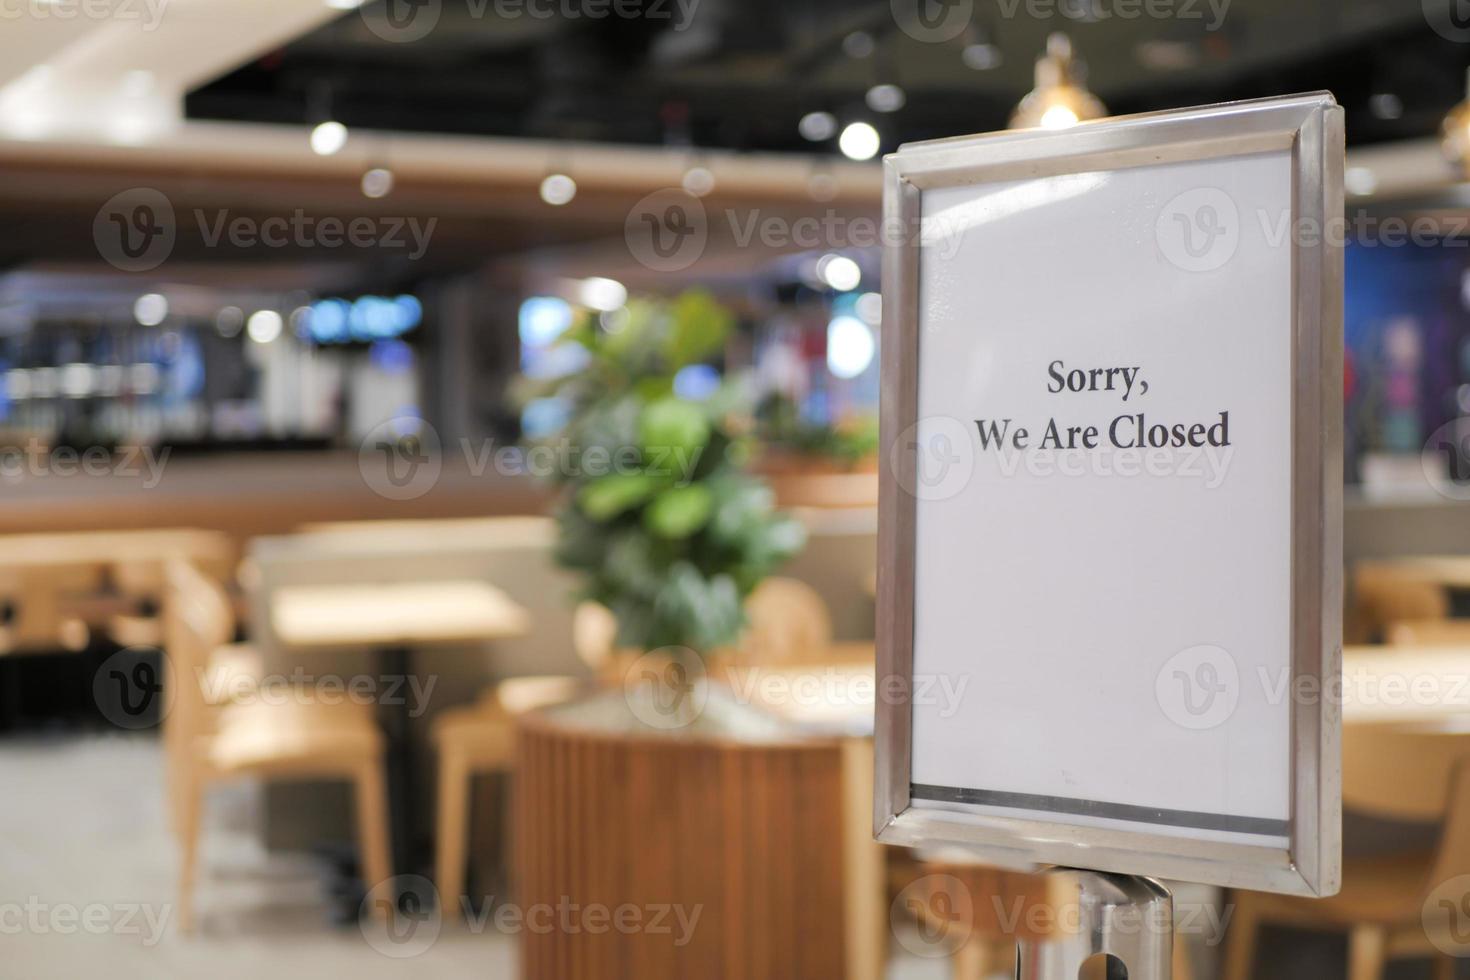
<point>139,584</point>
<point>270,740</point>
<point>1391,773</point>
<point>38,619</point>
<point>481,739</point>
<point>785,618</point>
<point>1383,594</point>
<point>1428,633</point>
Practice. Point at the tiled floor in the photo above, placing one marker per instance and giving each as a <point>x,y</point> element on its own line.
<point>87,884</point>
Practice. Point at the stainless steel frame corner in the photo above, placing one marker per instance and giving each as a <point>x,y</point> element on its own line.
<point>1311,127</point>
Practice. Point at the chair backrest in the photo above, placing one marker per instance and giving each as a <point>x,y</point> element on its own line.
<point>1428,633</point>
<point>1383,594</point>
<point>35,598</point>
<point>785,619</point>
<point>594,635</point>
<point>1416,775</point>
<point>197,620</point>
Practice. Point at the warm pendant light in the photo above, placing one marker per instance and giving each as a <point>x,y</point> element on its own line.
<point>1455,134</point>
<point>1060,99</point>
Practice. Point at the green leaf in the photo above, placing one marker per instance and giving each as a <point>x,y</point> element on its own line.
<point>699,329</point>
<point>678,512</point>
<point>608,496</point>
<point>672,432</point>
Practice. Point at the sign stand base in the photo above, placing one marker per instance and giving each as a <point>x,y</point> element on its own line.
<point>1112,927</point>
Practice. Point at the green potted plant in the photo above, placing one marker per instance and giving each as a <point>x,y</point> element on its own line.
<point>658,515</point>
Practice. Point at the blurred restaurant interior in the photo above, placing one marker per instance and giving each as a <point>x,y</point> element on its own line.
<point>388,388</point>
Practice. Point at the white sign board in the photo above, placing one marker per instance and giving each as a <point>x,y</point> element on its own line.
<point>1111,506</point>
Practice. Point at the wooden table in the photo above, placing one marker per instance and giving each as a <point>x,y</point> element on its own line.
<point>21,551</point>
<point>392,618</point>
<point>1450,571</point>
<point>1419,686</point>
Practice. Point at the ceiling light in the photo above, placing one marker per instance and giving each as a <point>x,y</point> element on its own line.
<point>263,326</point>
<point>1386,105</point>
<point>981,56</point>
<point>328,138</point>
<point>885,98</point>
<point>822,186</point>
<point>1360,181</point>
<point>377,182</point>
<point>150,310</point>
<point>817,126</point>
<point>869,308</point>
<point>1060,99</point>
<point>839,272</point>
<point>603,295</point>
<point>558,189</point>
<point>858,44</point>
<point>859,141</point>
<point>850,346</point>
<point>698,181</point>
<point>228,321</point>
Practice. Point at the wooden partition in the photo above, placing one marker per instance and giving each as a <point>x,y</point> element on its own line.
<point>747,834</point>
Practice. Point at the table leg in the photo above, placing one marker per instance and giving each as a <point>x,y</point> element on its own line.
<point>394,663</point>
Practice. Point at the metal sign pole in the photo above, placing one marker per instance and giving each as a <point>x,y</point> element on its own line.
<point>1114,927</point>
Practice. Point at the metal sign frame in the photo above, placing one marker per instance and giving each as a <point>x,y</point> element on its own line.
<point>1311,128</point>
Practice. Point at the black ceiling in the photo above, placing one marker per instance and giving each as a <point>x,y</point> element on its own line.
<point>739,74</point>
